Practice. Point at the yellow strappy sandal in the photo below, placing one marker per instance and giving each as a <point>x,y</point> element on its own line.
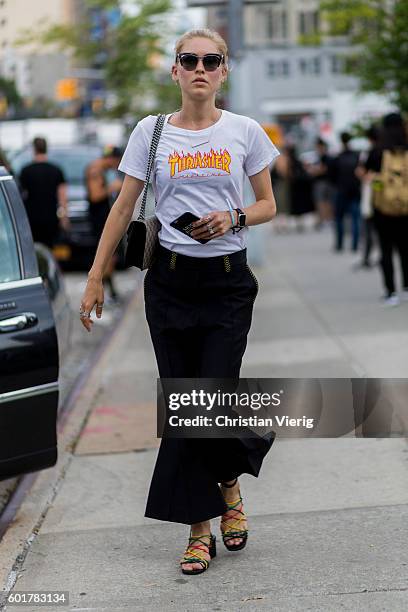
<point>230,526</point>
<point>194,553</point>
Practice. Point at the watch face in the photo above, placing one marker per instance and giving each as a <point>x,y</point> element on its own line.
<point>242,219</point>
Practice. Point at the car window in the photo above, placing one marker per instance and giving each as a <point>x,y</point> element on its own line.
<point>71,161</point>
<point>9,261</point>
<point>73,164</point>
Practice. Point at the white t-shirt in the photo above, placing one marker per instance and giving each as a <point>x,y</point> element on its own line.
<point>198,171</point>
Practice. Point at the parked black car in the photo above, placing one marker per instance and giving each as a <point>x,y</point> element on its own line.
<point>76,250</point>
<point>35,328</point>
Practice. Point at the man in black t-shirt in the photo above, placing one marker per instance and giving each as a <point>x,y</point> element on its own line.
<point>347,201</point>
<point>44,194</point>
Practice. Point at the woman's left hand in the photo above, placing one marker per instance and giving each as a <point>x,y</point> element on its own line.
<point>213,225</point>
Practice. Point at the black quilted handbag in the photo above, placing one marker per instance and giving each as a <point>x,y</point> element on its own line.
<point>142,234</point>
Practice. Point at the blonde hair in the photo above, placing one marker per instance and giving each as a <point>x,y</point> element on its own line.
<point>204,33</point>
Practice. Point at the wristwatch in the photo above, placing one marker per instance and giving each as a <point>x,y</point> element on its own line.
<point>240,221</point>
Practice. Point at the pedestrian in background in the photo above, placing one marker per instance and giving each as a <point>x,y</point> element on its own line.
<point>367,211</point>
<point>99,193</point>
<point>300,188</point>
<point>44,193</point>
<point>387,167</point>
<point>199,292</point>
<point>322,187</point>
<point>5,162</point>
<point>281,188</point>
<point>347,198</point>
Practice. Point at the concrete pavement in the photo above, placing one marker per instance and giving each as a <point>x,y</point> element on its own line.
<point>327,517</point>
<point>83,346</point>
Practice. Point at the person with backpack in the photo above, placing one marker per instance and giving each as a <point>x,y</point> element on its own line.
<point>347,200</point>
<point>387,167</point>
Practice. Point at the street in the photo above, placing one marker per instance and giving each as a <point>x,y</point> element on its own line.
<point>327,517</point>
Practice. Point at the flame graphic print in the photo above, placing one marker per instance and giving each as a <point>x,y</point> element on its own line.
<point>219,160</point>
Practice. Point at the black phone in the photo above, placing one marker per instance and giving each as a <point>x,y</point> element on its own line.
<point>184,225</point>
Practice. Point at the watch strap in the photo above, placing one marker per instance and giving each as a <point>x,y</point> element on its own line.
<point>239,226</point>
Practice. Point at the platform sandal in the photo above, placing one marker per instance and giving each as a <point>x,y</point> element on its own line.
<point>194,553</point>
<point>232,524</point>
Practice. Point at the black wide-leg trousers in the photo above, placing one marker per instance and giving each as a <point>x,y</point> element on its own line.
<point>199,312</point>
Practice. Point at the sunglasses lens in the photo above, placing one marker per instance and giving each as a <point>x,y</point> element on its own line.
<point>211,62</point>
<point>188,61</point>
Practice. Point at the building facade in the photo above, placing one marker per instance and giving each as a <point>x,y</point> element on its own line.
<point>35,69</point>
<point>277,78</point>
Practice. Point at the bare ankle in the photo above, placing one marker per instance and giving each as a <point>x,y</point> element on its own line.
<point>200,528</point>
<point>231,493</point>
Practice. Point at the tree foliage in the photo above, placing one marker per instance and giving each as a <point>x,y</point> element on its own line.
<point>9,91</point>
<point>124,55</point>
<point>379,29</point>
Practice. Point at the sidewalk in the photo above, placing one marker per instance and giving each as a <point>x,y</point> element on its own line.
<point>327,517</point>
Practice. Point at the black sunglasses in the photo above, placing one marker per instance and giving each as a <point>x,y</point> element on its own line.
<point>189,61</point>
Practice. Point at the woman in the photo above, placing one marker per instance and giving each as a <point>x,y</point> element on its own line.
<point>372,134</point>
<point>300,188</point>
<point>322,189</point>
<point>198,296</point>
<point>281,188</point>
<point>388,162</point>
<point>99,195</point>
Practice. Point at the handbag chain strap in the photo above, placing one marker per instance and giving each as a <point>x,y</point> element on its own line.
<point>153,148</point>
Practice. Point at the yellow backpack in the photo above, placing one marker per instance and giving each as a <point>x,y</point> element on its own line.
<point>390,186</point>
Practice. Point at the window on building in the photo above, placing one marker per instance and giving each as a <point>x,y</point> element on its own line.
<point>278,68</point>
<point>310,66</point>
<point>337,64</point>
<point>316,21</point>
<point>221,13</point>
<point>285,68</point>
<point>316,65</point>
<point>308,22</point>
<point>274,23</point>
<point>303,66</point>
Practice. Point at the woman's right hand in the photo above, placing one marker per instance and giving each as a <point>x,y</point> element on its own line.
<point>93,294</point>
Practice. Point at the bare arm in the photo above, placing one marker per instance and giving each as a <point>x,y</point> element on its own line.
<point>62,196</point>
<point>116,224</point>
<point>363,174</point>
<point>264,209</point>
